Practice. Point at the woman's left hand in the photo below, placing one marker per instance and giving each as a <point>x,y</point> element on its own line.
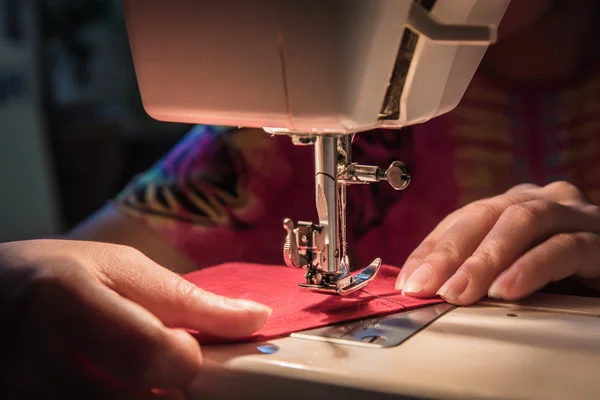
<point>507,246</point>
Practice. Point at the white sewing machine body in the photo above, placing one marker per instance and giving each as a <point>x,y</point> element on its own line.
<point>322,70</point>
<point>310,66</point>
<point>545,348</point>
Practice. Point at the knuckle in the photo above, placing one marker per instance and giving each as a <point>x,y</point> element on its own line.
<point>522,187</point>
<point>424,248</point>
<point>128,252</point>
<point>488,256</point>
<point>449,249</point>
<point>590,209</point>
<point>187,291</point>
<point>483,209</point>
<point>529,212</point>
<point>566,189</point>
<point>56,272</point>
<point>43,285</point>
<point>578,240</point>
<point>454,214</point>
<point>189,297</point>
<point>55,280</point>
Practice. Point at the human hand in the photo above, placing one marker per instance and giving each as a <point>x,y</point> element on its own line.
<point>108,310</point>
<point>507,246</point>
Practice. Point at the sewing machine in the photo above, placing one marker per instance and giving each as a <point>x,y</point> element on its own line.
<point>320,71</point>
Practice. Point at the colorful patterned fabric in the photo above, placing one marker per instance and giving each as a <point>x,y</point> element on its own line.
<point>221,194</point>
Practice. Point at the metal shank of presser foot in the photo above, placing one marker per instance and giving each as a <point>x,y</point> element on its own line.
<point>321,248</point>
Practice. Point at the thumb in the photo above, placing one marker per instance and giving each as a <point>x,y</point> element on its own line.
<point>177,302</point>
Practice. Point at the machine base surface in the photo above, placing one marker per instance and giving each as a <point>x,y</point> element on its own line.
<point>547,347</point>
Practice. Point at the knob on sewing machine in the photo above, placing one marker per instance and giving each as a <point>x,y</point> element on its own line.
<point>322,248</point>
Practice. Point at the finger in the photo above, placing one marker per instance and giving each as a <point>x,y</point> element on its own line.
<point>518,229</point>
<point>562,192</point>
<point>522,188</point>
<point>559,191</point>
<point>459,242</point>
<point>416,258</point>
<point>112,337</point>
<point>429,243</point>
<point>557,258</point>
<point>177,302</point>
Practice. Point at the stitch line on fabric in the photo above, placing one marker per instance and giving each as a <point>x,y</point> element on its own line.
<point>358,304</point>
<point>384,297</point>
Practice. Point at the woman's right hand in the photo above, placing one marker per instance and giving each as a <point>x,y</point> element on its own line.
<point>81,315</point>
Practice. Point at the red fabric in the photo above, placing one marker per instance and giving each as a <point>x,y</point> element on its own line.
<point>295,309</point>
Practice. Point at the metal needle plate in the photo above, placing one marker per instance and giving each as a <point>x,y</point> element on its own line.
<point>379,332</point>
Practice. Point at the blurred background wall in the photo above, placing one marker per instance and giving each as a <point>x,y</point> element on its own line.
<point>72,127</point>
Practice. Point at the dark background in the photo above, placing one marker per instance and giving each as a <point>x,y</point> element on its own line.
<point>70,112</point>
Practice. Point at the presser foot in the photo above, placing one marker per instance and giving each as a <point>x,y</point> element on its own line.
<point>305,247</point>
<point>341,284</point>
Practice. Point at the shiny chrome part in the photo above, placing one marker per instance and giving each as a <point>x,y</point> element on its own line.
<point>322,248</point>
<point>362,279</point>
<point>327,199</point>
<point>291,255</point>
<point>396,175</point>
<point>345,283</point>
<point>378,332</point>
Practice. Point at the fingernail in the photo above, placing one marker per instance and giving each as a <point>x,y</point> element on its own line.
<point>496,291</point>
<point>418,280</point>
<point>500,286</point>
<point>454,287</point>
<point>401,280</point>
<point>248,305</point>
